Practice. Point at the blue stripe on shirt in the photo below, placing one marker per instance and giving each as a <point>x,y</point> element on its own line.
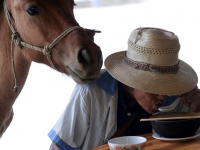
<point>59,142</point>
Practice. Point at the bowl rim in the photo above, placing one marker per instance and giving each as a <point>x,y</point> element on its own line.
<point>113,144</point>
<point>176,120</point>
<point>173,114</point>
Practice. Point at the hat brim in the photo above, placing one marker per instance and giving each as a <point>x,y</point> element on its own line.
<point>157,83</point>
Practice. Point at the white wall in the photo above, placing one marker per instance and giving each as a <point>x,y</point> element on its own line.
<point>46,91</point>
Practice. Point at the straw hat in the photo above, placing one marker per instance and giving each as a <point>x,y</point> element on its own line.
<point>151,63</point>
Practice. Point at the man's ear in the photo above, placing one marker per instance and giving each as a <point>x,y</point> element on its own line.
<point>91,33</point>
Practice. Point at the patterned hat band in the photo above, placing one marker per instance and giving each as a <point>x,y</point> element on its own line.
<point>152,68</point>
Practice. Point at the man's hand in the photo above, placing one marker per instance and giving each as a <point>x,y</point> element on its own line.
<point>192,99</point>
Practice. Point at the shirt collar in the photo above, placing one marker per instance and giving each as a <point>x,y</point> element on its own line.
<point>107,83</point>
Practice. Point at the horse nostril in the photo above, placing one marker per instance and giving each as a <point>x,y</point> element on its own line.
<point>84,57</point>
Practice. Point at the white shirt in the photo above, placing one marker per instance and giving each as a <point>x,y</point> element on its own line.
<point>89,119</point>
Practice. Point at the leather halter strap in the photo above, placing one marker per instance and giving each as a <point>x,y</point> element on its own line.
<point>47,50</point>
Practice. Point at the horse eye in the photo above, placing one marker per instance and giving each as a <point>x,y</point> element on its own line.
<point>32,11</point>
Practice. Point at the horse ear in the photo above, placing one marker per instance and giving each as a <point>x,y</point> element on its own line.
<point>91,33</point>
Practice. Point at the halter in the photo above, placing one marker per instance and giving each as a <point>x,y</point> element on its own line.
<point>19,43</point>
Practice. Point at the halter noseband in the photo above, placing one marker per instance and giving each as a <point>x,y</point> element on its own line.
<point>19,43</point>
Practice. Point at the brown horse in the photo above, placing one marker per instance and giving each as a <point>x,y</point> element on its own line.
<point>44,32</point>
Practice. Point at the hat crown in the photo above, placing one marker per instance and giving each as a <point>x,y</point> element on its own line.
<point>153,46</point>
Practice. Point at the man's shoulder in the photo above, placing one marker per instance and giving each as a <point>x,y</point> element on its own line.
<point>104,83</point>
<point>92,85</point>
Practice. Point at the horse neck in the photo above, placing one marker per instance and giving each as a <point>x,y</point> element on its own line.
<point>22,65</point>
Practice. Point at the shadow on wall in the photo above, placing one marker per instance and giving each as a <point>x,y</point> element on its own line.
<point>103,3</point>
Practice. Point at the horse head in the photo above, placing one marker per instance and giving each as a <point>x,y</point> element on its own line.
<point>50,27</point>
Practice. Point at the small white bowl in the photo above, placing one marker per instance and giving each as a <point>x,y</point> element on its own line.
<point>127,143</point>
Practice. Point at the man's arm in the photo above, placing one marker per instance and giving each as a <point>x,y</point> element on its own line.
<point>71,129</point>
<point>53,147</point>
<point>192,99</point>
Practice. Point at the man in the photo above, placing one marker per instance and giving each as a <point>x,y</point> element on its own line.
<point>135,85</point>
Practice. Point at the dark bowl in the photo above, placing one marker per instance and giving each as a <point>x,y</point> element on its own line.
<point>175,128</point>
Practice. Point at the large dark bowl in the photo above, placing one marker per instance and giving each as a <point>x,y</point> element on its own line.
<point>175,128</point>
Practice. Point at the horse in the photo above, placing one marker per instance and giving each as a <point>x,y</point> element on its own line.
<point>44,32</point>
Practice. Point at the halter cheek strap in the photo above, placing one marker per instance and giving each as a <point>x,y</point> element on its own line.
<point>47,50</point>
